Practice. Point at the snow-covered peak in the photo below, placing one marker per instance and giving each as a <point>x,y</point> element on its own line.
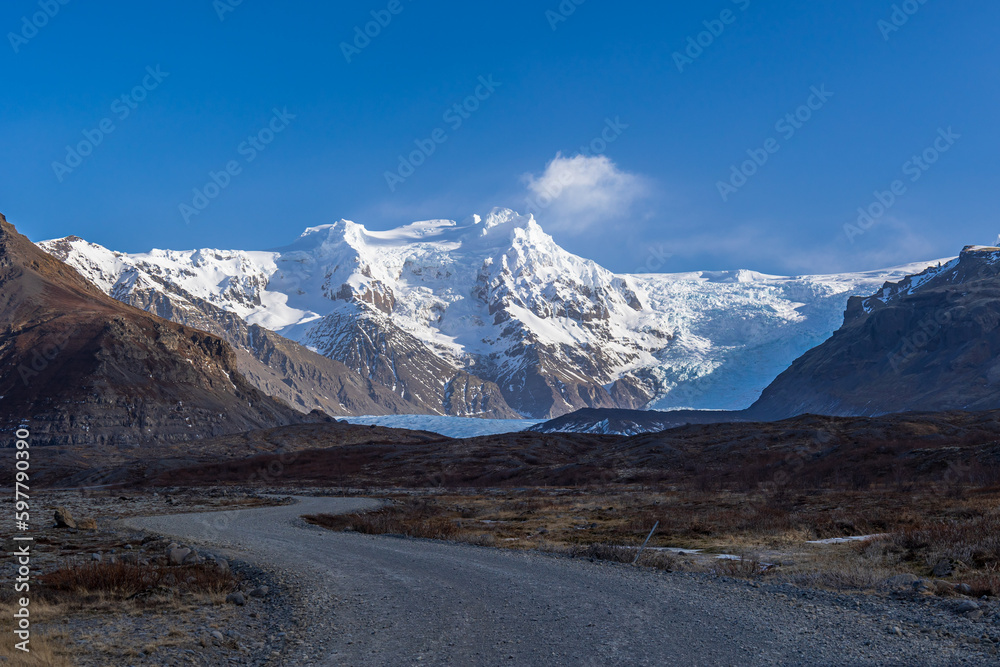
<point>497,296</point>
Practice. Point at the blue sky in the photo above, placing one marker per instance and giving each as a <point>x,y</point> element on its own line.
<point>557,77</point>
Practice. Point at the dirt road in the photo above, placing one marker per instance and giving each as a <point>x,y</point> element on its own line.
<point>391,601</point>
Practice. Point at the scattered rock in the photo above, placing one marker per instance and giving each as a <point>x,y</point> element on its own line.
<point>924,586</point>
<point>177,555</point>
<point>222,564</point>
<point>259,592</point>
<point>967,607</point>
<point>87,524</point>
<point>95,557</point>
<point>193,559</point>
<point>217,636</point>
<point>942,587</point>
<point>64,519</point>
<point>236,599</point>
<point>964,589</point>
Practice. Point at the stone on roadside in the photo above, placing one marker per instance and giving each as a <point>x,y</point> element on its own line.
<point>64,519</point>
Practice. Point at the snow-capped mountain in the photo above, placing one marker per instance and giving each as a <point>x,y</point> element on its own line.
<point>479,317</point>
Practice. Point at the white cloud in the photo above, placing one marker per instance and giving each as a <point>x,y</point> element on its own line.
<point>574,194</point>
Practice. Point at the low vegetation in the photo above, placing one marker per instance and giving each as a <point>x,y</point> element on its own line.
<point>934,534</point>
<point>129,581</point>
<point>111,590</point>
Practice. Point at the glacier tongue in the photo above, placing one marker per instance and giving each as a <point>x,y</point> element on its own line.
<point>496,297</point>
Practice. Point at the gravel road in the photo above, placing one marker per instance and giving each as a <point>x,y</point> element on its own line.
<point>367,600</point>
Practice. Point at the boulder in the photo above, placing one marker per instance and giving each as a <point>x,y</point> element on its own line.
<point>64,519</point>
<point>966,607</point>
<point>193,559</point>
<point>177,555</point>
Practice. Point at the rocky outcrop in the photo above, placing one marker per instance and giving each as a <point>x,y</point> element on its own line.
<point>87,369</point>
<point>930,342</point>
<point>369,343</point>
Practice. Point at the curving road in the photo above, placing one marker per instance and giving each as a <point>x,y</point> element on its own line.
<point>392,601</point>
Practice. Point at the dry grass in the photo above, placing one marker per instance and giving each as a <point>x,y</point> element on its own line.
<point>970,544</point>
<point>609,524</point>
<point>128,581</point>
<point>47,649</point>
<point>413,518</point>
<point>746,566</point>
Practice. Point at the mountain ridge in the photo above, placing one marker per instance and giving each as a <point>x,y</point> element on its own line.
<point>86,369</point>
<point>494,304</point>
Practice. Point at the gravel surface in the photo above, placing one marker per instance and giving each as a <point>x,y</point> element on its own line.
<point>365,600</point>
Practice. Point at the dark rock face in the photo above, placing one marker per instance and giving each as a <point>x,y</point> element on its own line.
<point>928,343</point>
<point>86,369</point>
<point>389,357</point>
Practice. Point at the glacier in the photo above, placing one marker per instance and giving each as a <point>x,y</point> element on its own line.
<point>497,297</point>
